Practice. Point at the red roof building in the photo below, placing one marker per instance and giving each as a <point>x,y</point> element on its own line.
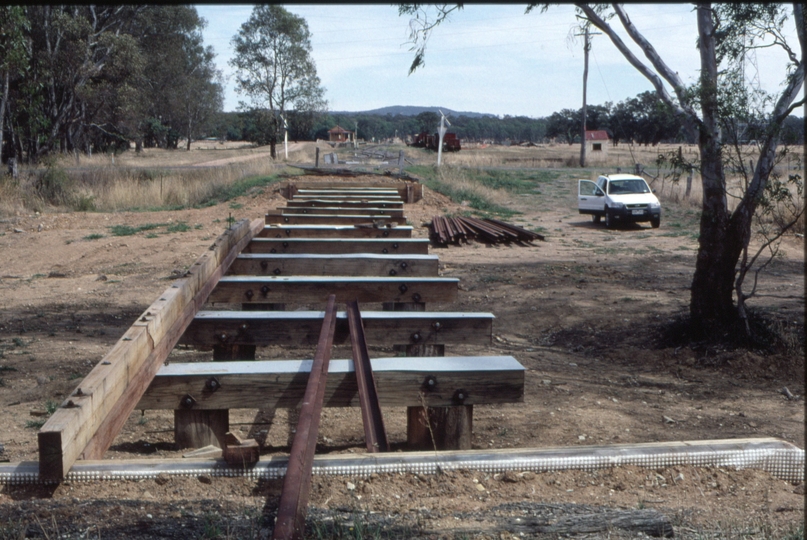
<point>597,140</point>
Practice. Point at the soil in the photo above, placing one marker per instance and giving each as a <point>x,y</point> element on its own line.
<point>590,312</point>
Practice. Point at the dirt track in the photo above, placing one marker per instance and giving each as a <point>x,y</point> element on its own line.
<point>584,311</point>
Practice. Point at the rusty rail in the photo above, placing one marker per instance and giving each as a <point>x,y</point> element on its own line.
<point>374,433</point>
<point>290,524</point>
<point>447,230</point>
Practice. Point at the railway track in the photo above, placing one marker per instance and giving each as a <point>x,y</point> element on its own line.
<point>336,265</point>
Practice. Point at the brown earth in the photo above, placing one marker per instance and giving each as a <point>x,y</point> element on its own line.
<point>585,311</point>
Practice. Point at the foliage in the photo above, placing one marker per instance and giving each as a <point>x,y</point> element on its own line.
<point>90,78</point>
<point>275,70</point>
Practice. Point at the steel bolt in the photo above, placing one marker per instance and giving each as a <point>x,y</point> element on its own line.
<point>393,272</point>
<point>403,288</point>
<point>415,337</point>
<point>285,244</point>
<point>403,265</point>
<point>276,271</point>
<point>212,384</point>
<point>394,246</point>
<point>273,250</point>
<point>430,382</point>
<point>436,325</point>
<point>264,264</point>
<point>265,290</point>
<point>416,297</point>
<point>460,396</point>
<point>249,294</point>
<point>187,401</point>
<point>223,338</point>
<point>384,251</point>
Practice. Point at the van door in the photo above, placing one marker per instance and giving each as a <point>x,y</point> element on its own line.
<point>589,196</point>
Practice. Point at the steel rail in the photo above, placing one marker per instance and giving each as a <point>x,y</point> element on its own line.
<point>375,435</point>
<point>290,524</point>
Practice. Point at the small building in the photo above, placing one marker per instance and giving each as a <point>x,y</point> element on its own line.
<point>339,134</point>
<point>597,141</point>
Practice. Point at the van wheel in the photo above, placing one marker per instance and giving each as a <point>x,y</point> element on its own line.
<point>609,220</point>
<point>655,222</point>
<point>596,218</point>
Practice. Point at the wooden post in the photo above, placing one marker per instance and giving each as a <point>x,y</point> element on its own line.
<point>433,428</point>
<point>316,160</point>
<point>689,186</point>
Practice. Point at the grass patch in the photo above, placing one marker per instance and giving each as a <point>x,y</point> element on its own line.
<point>95,236</point>
<point>496,279</point>
<point>466,187</point>
<point>128,230</point>
<point>179,226</point>
<point>224,193</point>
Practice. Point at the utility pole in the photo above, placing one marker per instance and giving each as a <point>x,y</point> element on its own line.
<point>586,48</point>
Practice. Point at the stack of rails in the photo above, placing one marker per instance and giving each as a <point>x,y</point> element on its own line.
<point>454,230</point>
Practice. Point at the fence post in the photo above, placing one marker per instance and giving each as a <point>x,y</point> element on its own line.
<point>316,160</point>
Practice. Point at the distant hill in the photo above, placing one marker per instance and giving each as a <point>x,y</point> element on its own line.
<point>411,110</point>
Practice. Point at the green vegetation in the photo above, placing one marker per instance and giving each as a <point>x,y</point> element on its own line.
<point>95,236</point>
<point>238,188</point>
<point>463,186</point>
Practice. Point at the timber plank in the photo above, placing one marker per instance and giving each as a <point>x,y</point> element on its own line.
<point>401,246</point>
<point>309,289</point>
<point>103,400</point>
<point>352,264</point>
<point>337,210</point>
<point>334,231</point>
<point>318,219</point>
<point>281,383</point>
<point>314,203</point>
<point>300,328</point>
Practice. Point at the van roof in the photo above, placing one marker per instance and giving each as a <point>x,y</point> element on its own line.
<point>622,177</point>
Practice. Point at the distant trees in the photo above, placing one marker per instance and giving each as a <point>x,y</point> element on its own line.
<point>87,78</point>
<point>275,69</point>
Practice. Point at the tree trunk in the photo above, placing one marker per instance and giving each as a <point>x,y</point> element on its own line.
<point>711,303</point>
<point>3,111</point>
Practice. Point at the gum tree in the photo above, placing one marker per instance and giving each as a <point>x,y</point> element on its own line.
<point>274,66</point>
<point>724,33</point>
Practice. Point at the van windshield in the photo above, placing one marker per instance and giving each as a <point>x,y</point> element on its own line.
<point>628,186</point>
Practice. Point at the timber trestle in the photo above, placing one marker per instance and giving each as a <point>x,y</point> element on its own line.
<point>341,244</point>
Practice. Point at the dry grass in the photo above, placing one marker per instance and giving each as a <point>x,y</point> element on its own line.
<point>169,178</point>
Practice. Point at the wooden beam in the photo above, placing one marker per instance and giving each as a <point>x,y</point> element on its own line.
<point>410,192</point>
<point>309,289</point>
<point>334,231</point>
<point>281,383</point>
<point>317,219</point>
<point>336,210</point>
<point>299,328</point>
<point>351,264</point>
<point>92,416</point>
<point>399,246</point>
<point>314,203</point>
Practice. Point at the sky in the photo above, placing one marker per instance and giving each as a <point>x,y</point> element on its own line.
<point>487,58</point>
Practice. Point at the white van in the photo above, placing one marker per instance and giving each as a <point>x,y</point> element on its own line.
<point>618,198</point>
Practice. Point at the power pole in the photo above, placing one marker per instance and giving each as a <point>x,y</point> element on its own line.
<point>586,48</point>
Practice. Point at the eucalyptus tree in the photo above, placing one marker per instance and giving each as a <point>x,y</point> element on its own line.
<point>14,54</point>
<point>274,66</point>
<point>725,33</point>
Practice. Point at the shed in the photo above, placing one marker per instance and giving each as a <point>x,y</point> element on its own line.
<point>597,141</point>
<point>339,134</point>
